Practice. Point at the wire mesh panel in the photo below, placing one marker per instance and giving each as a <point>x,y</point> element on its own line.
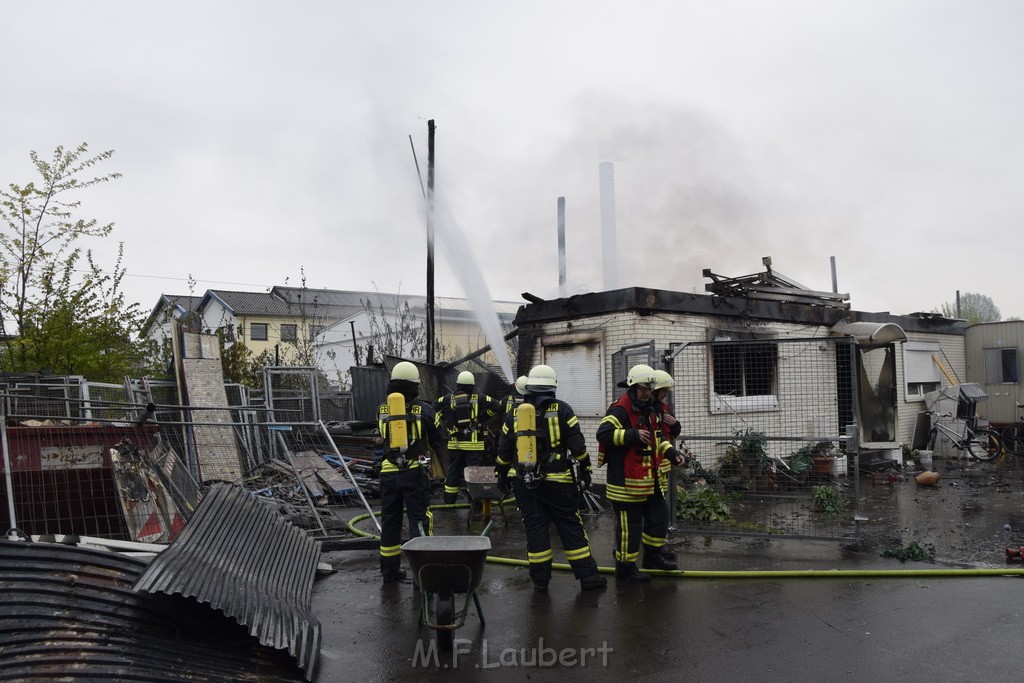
<point>765,420</point>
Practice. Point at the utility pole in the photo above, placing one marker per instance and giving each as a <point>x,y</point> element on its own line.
<point>430,241</point>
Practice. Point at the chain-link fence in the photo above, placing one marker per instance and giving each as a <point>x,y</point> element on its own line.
<point>766,421</point>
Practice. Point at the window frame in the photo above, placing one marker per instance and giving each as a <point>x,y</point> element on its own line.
<point>252,332</point>
<point>918,381</point>
<point>294,328</point>
<point>746,402</point>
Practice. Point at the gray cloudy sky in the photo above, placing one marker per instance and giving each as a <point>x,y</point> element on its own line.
<point>258,138</point>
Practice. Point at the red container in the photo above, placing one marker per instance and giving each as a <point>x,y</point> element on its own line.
<point>63,481</point>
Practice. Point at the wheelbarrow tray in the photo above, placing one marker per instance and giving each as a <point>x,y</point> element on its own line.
<point>451,564</point>
<point>481,483</point>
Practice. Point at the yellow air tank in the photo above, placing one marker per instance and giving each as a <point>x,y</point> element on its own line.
<point>398,429</point>
<point>526,429</point>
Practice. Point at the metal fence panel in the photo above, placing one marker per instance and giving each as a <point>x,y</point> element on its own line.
<point>766,421</point>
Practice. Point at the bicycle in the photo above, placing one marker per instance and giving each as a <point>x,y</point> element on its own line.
<point>981,444</point>
<point>1013,434</point>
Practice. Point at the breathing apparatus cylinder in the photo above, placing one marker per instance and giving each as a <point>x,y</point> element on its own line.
<point>526,444</point>
<point>398,427</point>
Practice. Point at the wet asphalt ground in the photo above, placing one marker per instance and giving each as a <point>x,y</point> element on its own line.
<point>907,628</point>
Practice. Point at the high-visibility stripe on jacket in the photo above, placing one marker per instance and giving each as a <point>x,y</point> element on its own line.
<point>423,435</point>
<point>633,468</point>
<point>558,440</point>
<point>480,409</point>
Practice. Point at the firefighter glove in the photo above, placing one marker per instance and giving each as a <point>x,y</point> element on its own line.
<point>585,478</point>
<point>504,485</point>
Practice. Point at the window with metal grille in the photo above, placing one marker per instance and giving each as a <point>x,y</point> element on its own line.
<point>289,333</point>
<point>1001,366</point>
<point>258,331</point>
<point>744,374</point>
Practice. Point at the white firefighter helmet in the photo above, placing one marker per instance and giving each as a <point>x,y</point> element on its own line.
<point>643,375</point>
<point>664,380</point>
<point>405,370</point>
<point>542,376</point>
<point>466,377</point>
<point>521,385</point>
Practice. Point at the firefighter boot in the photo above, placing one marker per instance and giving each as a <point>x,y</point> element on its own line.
<point>653,559</point>
<point>595,580</point>
<point>627,571</point>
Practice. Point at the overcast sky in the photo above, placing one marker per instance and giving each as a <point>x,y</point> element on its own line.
<point>258,139</point>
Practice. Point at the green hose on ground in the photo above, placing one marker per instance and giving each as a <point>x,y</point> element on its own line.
<point>740,573</point>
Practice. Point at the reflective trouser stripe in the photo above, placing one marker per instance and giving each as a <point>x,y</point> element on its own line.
<point>451,489</point>
<point>543,556</point>
<point>578,554</point>
<point>653,541</point>
<point>390,551</point>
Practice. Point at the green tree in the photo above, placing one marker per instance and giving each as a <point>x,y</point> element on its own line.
<point>55,314</point>
<point>974,308</point>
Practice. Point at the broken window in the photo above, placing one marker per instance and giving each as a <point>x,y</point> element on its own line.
<point>258,331</point>
<point>744,373</point>
<point>289,333</point>
<point>1001,366</point>
<point>920,370</point>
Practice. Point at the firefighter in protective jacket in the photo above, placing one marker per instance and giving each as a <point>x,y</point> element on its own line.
<point>632,435</point>
<point>462,415</point>
<point>540,450</point>
<point>408,428</point>
<point>515,398</point>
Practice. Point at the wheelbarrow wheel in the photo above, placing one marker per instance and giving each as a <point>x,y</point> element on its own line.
<point>445,617</point>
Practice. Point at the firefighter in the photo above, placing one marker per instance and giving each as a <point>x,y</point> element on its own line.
<point>409,437</point>
<point>462,416</point>
<point>515,397</point>
<point>539,451</point>
<point>631,433</point>
<point>670,428</point>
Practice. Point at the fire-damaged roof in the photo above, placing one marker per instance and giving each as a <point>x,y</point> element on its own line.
<point>644,302</point>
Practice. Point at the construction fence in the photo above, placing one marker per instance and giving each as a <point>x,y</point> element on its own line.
<point>107,461</point>
<point>770,423</point>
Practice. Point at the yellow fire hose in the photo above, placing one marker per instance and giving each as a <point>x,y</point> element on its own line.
<point>739,573</point>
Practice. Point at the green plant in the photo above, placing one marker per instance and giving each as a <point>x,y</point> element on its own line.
<point>828,501</point>
<point>913,551</point>
<point>911,454</point>
<point>704,506</point>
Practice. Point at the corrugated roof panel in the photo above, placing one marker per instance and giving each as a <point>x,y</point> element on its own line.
<point>70,612</point>
<point>241,557</point>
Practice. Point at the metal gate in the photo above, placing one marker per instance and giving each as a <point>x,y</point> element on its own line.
<point>767,421</point>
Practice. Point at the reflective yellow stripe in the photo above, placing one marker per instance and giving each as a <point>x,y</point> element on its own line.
<point>390,551</point>
<point>572,421</point>
<point>652,541</point>
<point>559,477</point>
<point>451,489</point>
<point>578,554</point>
<point>456,445</point>
<point>543,556</point>
<point>621,495</point>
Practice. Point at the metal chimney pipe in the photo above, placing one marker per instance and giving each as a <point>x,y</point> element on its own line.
<point>561,247</point>
<point>609,247</point>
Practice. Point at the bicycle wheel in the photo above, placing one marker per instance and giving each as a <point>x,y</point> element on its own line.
<point>985,445</point>
<point>1013,438</point>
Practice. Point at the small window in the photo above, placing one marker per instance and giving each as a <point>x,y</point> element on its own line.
<point>1001,366</point>
<point>258,331</point>
<point>744,375</point>
<point>921,369</point>
<point>289,333</point>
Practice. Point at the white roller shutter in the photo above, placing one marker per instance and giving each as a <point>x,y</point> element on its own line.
<point>580,376</point>
<point>918,365</point>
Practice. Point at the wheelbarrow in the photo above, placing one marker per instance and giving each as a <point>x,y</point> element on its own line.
<point>443,567</point>
<point>482,486</point>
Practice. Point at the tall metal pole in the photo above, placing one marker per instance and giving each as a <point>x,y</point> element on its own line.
<point>561,247</point>
<point>430,241</point>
